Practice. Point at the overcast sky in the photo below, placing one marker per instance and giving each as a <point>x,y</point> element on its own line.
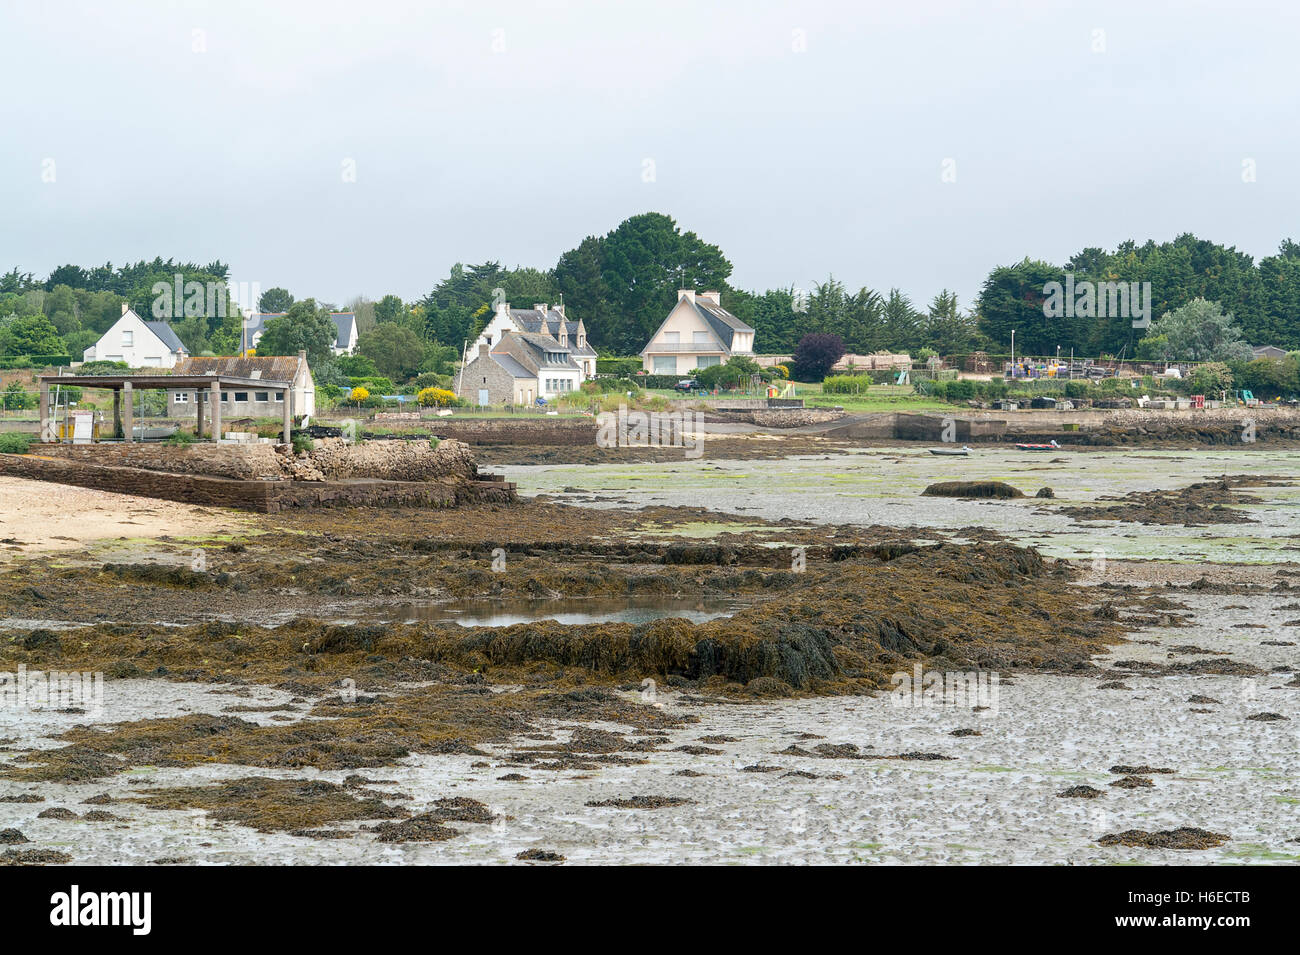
<point>804,138</point>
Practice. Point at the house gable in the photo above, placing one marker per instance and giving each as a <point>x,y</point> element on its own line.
<point>138,343</point>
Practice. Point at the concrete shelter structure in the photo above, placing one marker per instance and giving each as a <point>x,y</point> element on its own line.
<point>207,389</point>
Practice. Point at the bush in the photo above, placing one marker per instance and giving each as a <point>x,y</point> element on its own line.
<point>302,444</point>
<point>12,442</point>
<point>429,379</point>
<point>846,384</point>
<point>103,368</point>
<point>182,438</point>
<point>1210,379</point>
<point>815,354</point>
<point>375,384</point>
<point>960,390</point>
<point>437,398</point>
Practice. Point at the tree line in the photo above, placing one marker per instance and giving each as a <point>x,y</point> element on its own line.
<point>624,283</point>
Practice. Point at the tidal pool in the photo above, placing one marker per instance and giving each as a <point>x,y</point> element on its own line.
<point>567,610</point>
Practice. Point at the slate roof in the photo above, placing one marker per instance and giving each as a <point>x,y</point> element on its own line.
<point>345,322</point>
<point>530,351</point>
<point>512,367</point>
<point>722,323</point>
<point>167,336</point>
<point>532,320</point>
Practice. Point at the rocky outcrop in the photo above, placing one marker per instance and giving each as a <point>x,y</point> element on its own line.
<point>334,459</point>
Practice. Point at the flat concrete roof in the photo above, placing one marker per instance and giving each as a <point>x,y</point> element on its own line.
<point>115,382</point>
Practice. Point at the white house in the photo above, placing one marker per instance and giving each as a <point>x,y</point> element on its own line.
<point>541,319</point>
<point>697,333</point>
<point>139,343</point>
<point>345,339</point>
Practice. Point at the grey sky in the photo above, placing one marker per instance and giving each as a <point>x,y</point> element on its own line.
<point>472,144</point>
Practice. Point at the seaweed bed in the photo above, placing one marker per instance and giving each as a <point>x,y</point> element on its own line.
<point>866,606</point>
<point>1208,502</point>
<point>975,489</point>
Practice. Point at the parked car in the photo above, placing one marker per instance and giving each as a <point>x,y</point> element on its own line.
<point>686,385</point>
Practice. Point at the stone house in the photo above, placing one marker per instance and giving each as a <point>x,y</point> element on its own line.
<point>541,319</point>
<point>520,368</point>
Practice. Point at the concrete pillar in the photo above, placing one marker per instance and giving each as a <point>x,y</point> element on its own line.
<point>288,415</point>
<point>117,412</point>
<point>214,399</point>
<point>46,431</point>
<point>199,402</point>
<point>128,412</point>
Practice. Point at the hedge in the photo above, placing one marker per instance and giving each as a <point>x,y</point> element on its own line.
<point>34,361</point>
<point>618,367</point>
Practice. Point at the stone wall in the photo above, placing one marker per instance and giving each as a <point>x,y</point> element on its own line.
<point>332,459</point>
<point>243,461</point>
<point>526,429</point>
<point>253,495</point>
<point>777,418</point>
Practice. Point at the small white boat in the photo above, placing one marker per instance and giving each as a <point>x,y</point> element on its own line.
<point>961,452</point>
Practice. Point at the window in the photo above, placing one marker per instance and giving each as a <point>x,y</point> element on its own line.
<point>665,365</point>
<point>279,396</point>
<point>708,361</point>
<point>241,395</point>
<point>225,396</point>
<point>262,395</point>
<point>181,397</point>
<point>128,339</point>
<point>701,338</point>
<point>153,361</point>
<point>672,338</point>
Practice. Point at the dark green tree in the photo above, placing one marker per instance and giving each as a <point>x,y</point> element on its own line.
<point>304,327</point>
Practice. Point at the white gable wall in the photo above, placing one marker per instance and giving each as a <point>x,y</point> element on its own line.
<point>491,334</point>
<point>132,341</point>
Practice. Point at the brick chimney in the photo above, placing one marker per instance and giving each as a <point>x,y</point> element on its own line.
<point>713,298</point>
